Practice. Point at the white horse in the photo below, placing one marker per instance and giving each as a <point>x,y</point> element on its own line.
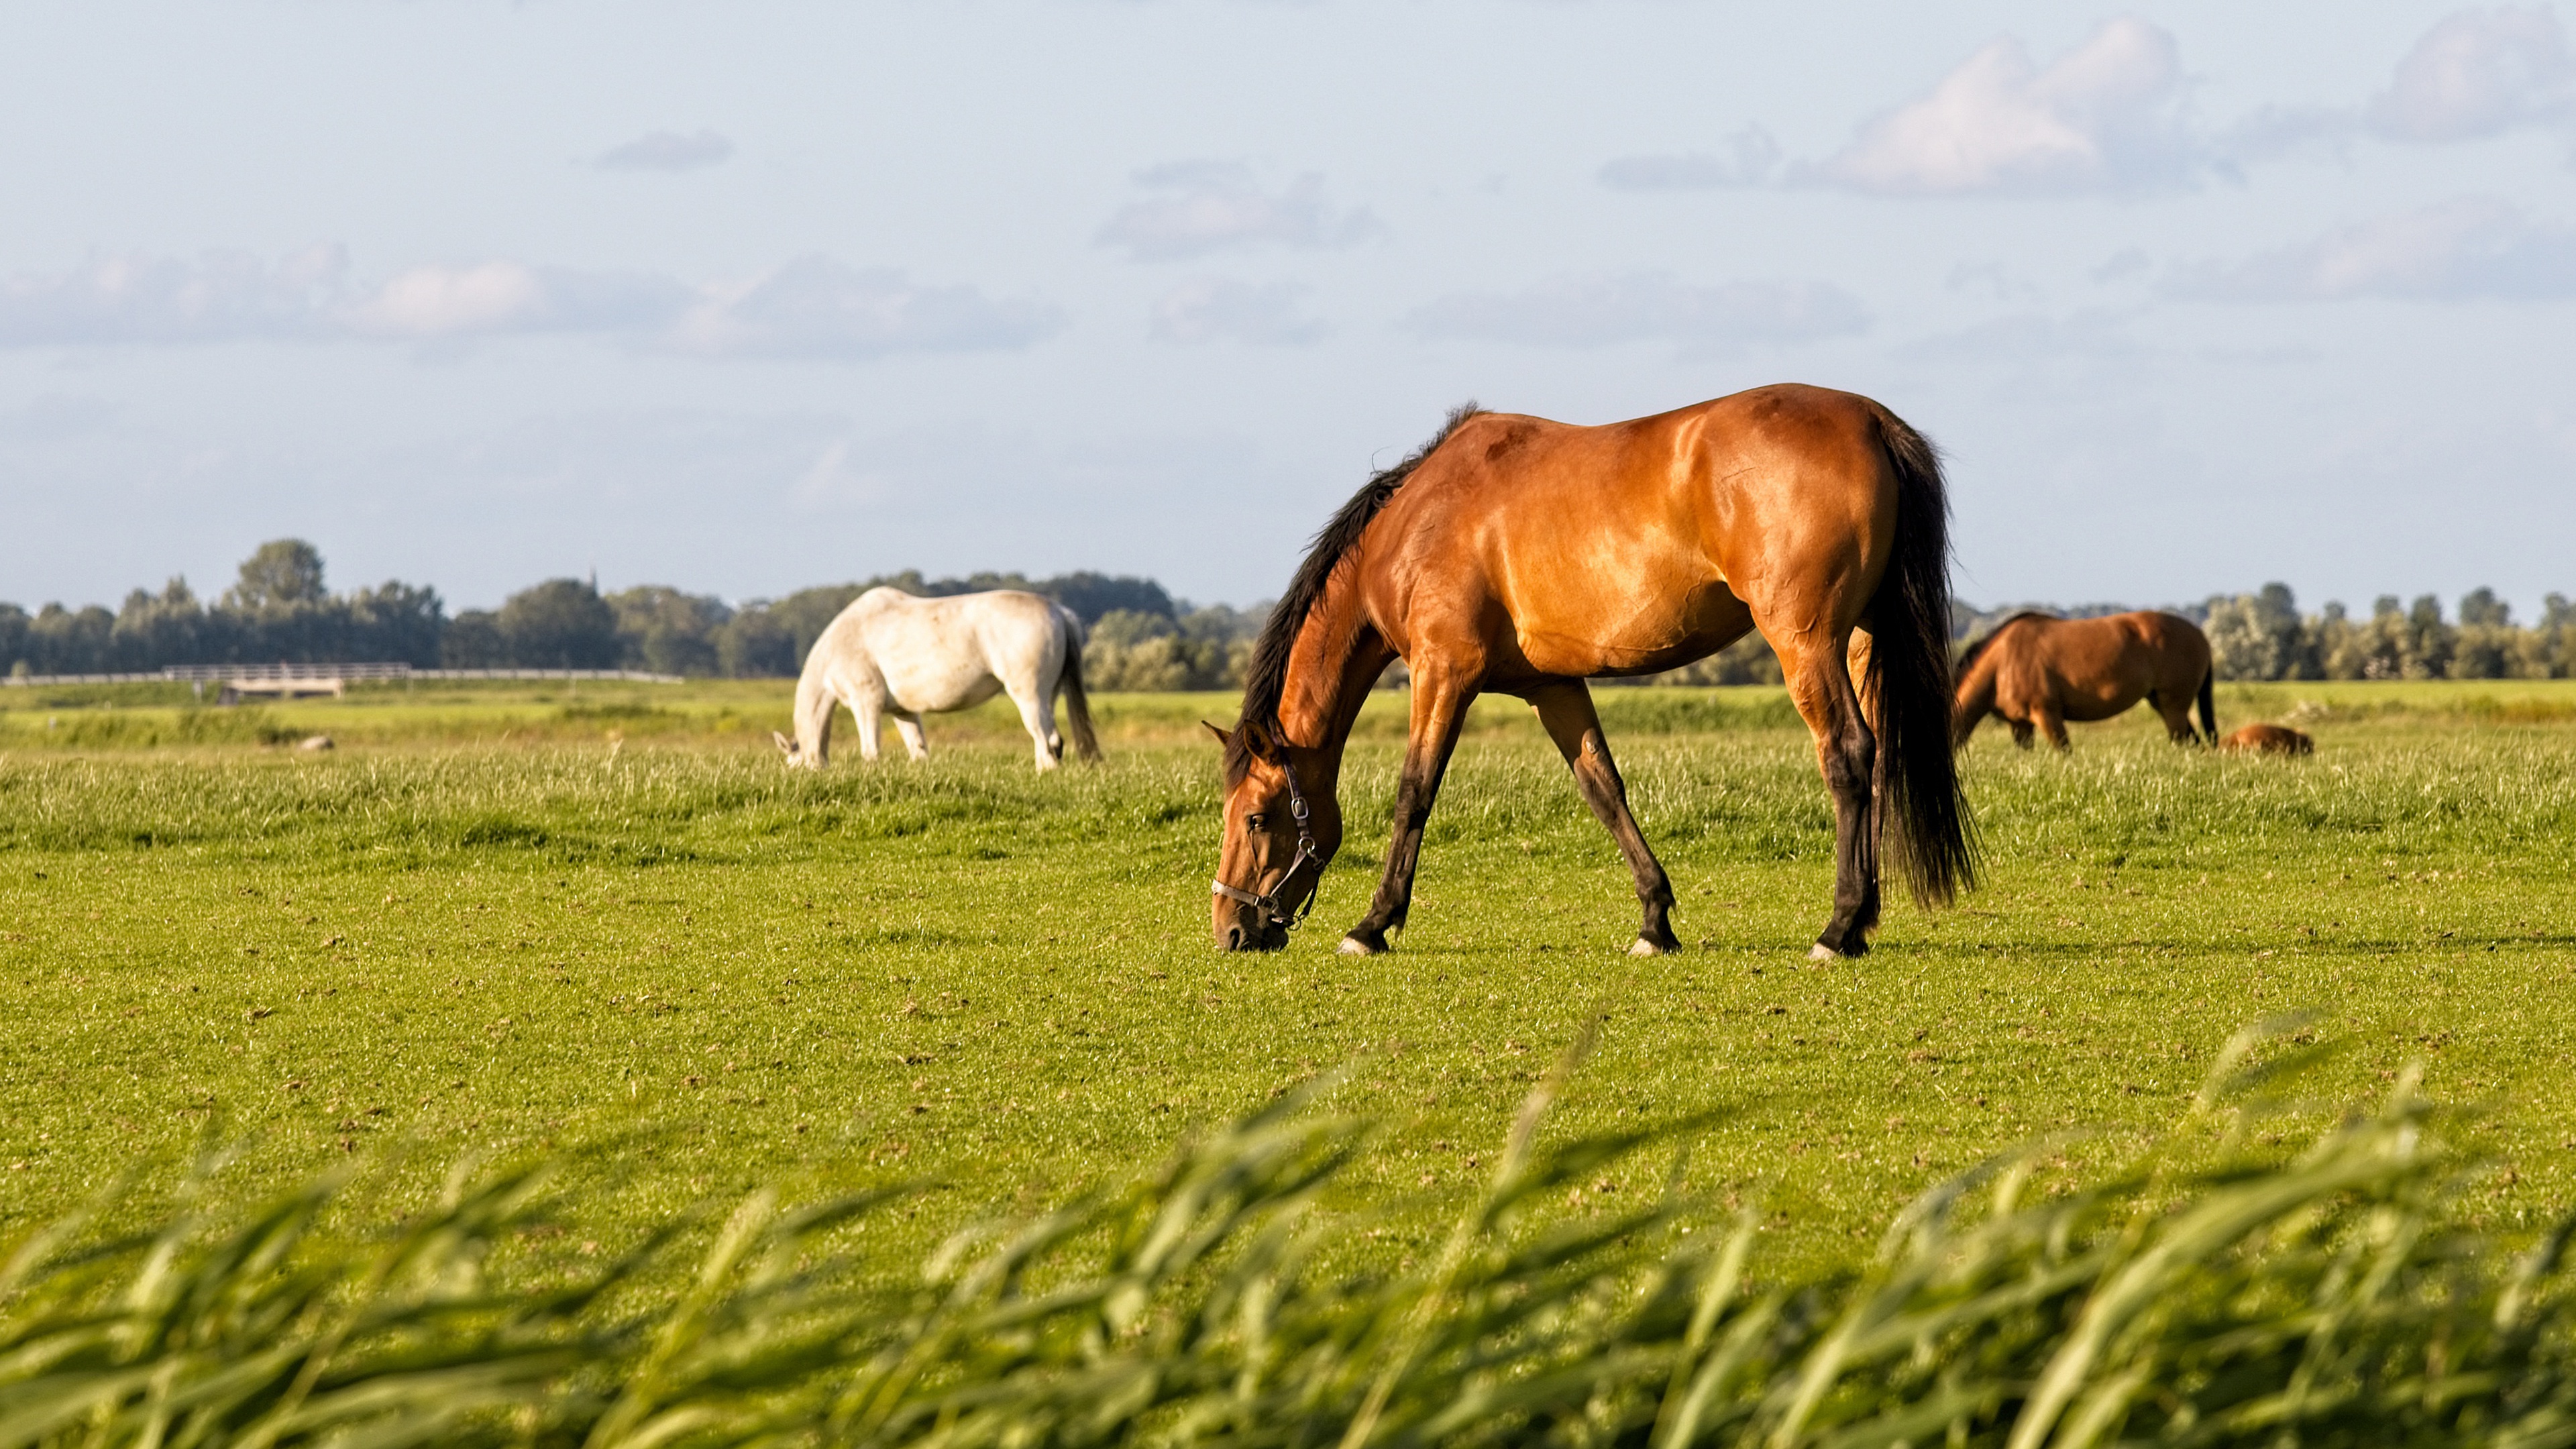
<point>890,653</point>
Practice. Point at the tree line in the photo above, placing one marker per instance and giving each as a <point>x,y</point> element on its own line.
<point>279,610</point>
<point>2263,635</point>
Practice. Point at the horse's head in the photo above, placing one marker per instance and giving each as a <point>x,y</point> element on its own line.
<point>798,757</point>
<point>1282,825</point>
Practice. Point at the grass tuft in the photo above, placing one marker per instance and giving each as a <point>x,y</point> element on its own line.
<point>2196,1296</point>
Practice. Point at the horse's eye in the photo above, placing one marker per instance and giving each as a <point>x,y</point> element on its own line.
<point>1254,822</point>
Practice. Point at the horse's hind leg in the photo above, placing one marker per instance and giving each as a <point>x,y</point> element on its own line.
<point>1847,753</point>
<point>907,723</point>
<point>1566,710</point>
<point>1037,716</point>
<point>2176,713</point>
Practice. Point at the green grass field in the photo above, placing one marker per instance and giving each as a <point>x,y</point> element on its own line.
<point>496,919</point>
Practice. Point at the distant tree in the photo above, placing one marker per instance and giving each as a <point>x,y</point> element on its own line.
<point>280,572</point>
<point>559,624</point>
<point>13,639</point>
<point>756,643</point>
<point>2484,641</point>
<point>1091,595</point>
<point>668,632</point>
<point>2432,638</point>
<point>396,622</point>
<point>473,640</point>
<point>165,628</point>
<point>69,641</point>
<point>2481,606</point>
<point>2259,636</point>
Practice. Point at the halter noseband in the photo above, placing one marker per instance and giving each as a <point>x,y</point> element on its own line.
<point>1267,903</point>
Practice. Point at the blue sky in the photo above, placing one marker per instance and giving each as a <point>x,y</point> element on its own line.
<point>748,297</point>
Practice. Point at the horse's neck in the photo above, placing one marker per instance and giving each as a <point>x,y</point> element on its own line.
<point>1337,659</point>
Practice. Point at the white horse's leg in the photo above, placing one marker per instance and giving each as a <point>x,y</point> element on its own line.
<point>908,725</point>
<point>865,707</point>
<point>1037,715</point>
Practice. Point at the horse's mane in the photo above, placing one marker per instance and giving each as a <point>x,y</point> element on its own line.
<point>1267,678</point>
<point>1968,656</point>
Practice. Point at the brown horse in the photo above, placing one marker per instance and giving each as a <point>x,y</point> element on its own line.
<point>1520,556</point>
<point>2268,739</point>
<point>2038,671</point>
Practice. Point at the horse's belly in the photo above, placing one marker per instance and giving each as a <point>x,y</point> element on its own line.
<point>1651,632</point>
<point>938,688</point>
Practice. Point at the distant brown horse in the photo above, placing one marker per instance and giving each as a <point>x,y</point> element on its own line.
<point>2268,739</point>
<point>2038,671</point>
<point>1520,556</point>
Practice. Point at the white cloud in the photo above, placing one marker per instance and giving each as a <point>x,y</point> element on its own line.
<point>1199,207</point>
<point>667,151</point>
<point>813,307</point>
<point>218,297</point>
<point>2474,74</point>
<point>817,307</point>
<point>1747,158</point>
<point>2104,116</point>
<point>1214,309</point>
<point>500,296</point>
<point>1599,311</point>
<point>2469,247</point>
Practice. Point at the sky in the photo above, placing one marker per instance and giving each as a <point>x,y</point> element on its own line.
<point>748,297</point>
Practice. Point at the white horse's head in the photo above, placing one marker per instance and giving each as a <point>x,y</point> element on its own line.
<point>796,753</point>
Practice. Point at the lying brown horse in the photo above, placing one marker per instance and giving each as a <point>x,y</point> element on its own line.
<point>1520,556</point>
<point>2268,739</point>
<point>2038,671</point>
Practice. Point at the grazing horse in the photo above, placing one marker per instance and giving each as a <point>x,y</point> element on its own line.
<point>1520,556</point>
<point>2268,739</point>
<point>2038,671</point>
<point>890,653</point>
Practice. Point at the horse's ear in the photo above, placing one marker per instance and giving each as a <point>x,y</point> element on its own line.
<point>785,745</point>
<point>1258,739</point>
<point>1222,738</point>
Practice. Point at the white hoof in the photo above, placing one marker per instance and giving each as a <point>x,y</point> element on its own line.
<point>1643,947</point>
<point>1351,946</point>
<point>1821,953</point>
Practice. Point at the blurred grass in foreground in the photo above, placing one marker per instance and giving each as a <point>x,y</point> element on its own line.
<point>2193,1296</point>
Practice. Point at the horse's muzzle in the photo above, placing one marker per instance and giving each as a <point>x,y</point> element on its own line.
<point>1248,930</point>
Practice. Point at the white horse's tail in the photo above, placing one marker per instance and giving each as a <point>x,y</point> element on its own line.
<point>1077,705</point>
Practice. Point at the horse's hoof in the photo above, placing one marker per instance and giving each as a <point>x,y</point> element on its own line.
<point>1354,946</point>
<point>1644,947</point>
<point>1821,953</point>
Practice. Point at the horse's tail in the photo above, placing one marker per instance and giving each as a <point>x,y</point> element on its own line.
<point>1909,664</point>
<point>1077,705</point>
<point>2209,701</point>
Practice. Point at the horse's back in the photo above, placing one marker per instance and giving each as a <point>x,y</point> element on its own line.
<point>958,651</point>
<point>1620,547</point>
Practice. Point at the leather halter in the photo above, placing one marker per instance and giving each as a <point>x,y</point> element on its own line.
<point>1267,903</point>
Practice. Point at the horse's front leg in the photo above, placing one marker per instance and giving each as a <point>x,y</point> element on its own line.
<point>2053,724</point>
<point>1439,708</point>
<point>867,709</point>
<point>1566,710</point>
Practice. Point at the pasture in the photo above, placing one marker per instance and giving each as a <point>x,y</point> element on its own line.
<point>500,919</point>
